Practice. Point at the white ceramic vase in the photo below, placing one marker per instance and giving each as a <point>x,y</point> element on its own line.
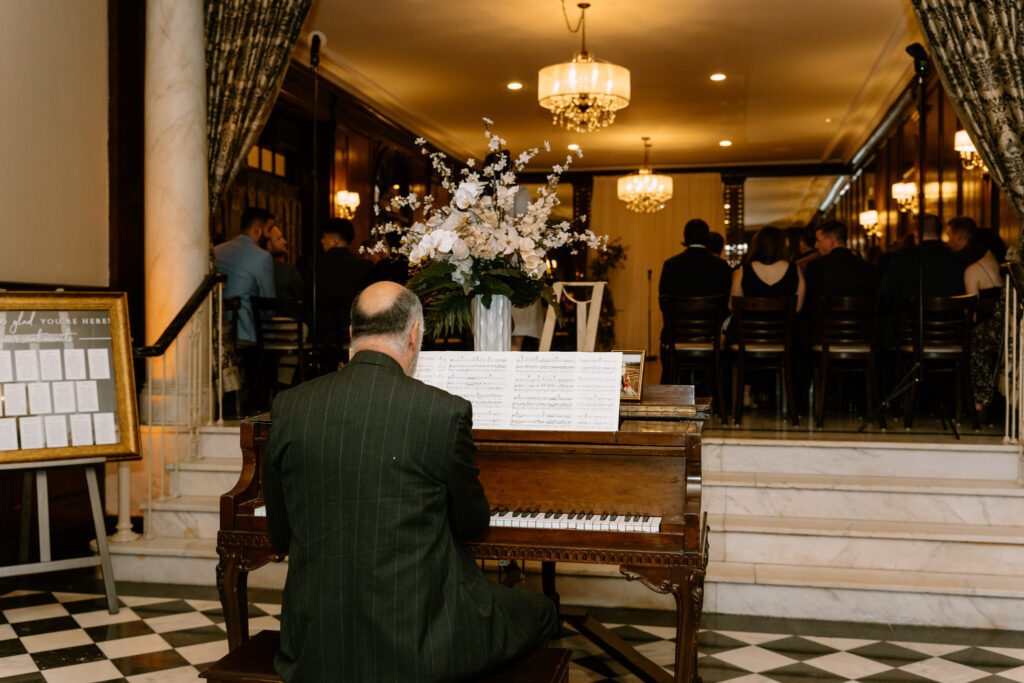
<point>492,327</point>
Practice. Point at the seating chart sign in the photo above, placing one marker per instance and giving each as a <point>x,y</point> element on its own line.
<point>543,391</point>
<point>66,383</point>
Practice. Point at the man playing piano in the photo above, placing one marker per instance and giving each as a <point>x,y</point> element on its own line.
<point>369,480</point>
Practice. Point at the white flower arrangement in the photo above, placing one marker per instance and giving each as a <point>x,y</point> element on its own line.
<point>481,242</point>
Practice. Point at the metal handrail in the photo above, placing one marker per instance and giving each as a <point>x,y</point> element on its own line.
<point>176,325</point>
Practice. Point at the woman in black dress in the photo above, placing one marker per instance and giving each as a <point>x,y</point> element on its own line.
<point>767,272</point>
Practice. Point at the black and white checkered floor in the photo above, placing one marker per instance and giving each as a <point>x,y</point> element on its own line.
<point>69,637</point>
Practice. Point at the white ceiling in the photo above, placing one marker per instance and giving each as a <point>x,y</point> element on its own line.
<point>439,66</point>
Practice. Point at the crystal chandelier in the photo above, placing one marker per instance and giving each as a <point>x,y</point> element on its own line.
<point>869,221</point>
<point>644,191</point>
<point>583,94</point>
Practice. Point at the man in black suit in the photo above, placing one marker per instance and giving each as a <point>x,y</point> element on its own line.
<point>340,275</point>
<point>837,271</point>
<point>943,271</point>
<point>695,272</point>
<point>369,480</point>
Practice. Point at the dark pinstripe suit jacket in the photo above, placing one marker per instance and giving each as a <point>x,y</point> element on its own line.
<point>369,474</point>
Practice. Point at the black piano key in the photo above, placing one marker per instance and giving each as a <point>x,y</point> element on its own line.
<point>495,512</point>
<point>604,516</point>
<point>647,518</point>
<point>534,513</point>
<point>590,515</point>
<point>549,514</point>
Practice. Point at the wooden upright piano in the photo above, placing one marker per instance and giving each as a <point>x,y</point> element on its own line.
<point>630,498</point>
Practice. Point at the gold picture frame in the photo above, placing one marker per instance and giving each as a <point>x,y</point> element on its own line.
<point>66,367</point>
<point>631,385</point>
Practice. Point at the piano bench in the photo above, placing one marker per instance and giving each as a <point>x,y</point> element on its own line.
<point>253,662</point>
<point>543,665</point>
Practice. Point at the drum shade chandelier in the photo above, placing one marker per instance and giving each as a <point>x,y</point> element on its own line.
<point>969,156</point>
<point>905,195</point>
<point>583,94</point>
<point>644,191</point>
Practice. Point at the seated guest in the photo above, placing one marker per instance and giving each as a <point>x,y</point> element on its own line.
<point>287,281</point>
<point>983,279</point>
<point>984,253</point>
<point>958,235</point>
<point>695,271</point>
<point>369,481</point>
<point>943,271</point>
<point>767,273</point>
<point>807,252</point>
<point>716,244</point>
<point>250,270</point>
<point>341,274</point>
<point>837,271</point>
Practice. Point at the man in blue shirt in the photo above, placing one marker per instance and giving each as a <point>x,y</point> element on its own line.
<point>250,270</point>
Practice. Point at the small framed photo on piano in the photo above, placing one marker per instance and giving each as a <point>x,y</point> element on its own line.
<point>632,382</point>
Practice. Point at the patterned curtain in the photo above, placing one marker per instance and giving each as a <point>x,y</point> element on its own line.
<point>978,46</point>
<point>248,45</point>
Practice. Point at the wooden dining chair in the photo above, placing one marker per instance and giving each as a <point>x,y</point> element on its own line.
<point>692,342</point>
<point>764,339</point>
<point>843,339</point>
<point>946,331</point>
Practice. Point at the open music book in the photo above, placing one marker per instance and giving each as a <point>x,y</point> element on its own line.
<point>543,391</point>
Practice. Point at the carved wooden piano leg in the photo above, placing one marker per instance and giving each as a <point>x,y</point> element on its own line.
<point>547,582</point>
<point>687,587</point>
<point>232,584</point>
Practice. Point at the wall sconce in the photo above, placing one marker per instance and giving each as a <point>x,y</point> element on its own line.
<point>905,195</point>
<point>346,202</point>
<point>869,221</point>
<point>969,156</point>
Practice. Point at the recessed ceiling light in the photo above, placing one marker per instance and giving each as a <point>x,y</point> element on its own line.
<point>718,77</point>
<point>828,119</point>
<point>725,143</point>
<point>574,147</point>
<point>515,85</point>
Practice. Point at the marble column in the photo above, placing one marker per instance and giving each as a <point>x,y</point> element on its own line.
<point>177,243</point>
<point>176,217</point>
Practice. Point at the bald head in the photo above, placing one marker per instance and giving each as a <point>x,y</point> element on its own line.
<point>387,317</point>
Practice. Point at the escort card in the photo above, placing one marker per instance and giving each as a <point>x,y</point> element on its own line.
<point>6,367</point>
<point>56,427</point>
<point>81,430</point>
<point>99,364</point>
<point>87,398</point>
<point>63,397</point>
<point>39,398</point>
<point>49,365</point>
<point>26,362</point>
<point>74,363</point>
<point>544,391</point>
<point>15,401</point>
<point>31,432</point>
<point>104,423</point>
<point>8,434</point>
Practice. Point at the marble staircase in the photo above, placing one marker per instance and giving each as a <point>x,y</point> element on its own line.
<point>897,532</point>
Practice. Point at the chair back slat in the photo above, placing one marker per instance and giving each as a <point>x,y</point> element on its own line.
<point>279,322</point>
<point>843,320</point>
<point>693,319</point>
<point>764,320</point>
<point>946,323</point>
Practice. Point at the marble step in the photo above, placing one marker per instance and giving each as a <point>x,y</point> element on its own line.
<point>860,458</point>
<point>182,561</point>
<point>868,545</point>
<point>185,517</point>
<point>220,441</point>
<point>961,600</point>
<point>964,501</point>
<point>210,476</point>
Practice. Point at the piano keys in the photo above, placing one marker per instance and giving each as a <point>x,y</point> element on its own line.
<point>630,498</point>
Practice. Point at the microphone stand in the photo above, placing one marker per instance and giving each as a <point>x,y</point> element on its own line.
<point>315,359</point>
<point>915,376</point>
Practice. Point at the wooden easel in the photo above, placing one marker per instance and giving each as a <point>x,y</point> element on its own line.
<point>46,564</point>
<point>588,313</point>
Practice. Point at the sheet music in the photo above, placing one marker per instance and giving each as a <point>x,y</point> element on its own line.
<point>546,391</point>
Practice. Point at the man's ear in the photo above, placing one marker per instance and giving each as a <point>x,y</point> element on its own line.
<point>414,335</point>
